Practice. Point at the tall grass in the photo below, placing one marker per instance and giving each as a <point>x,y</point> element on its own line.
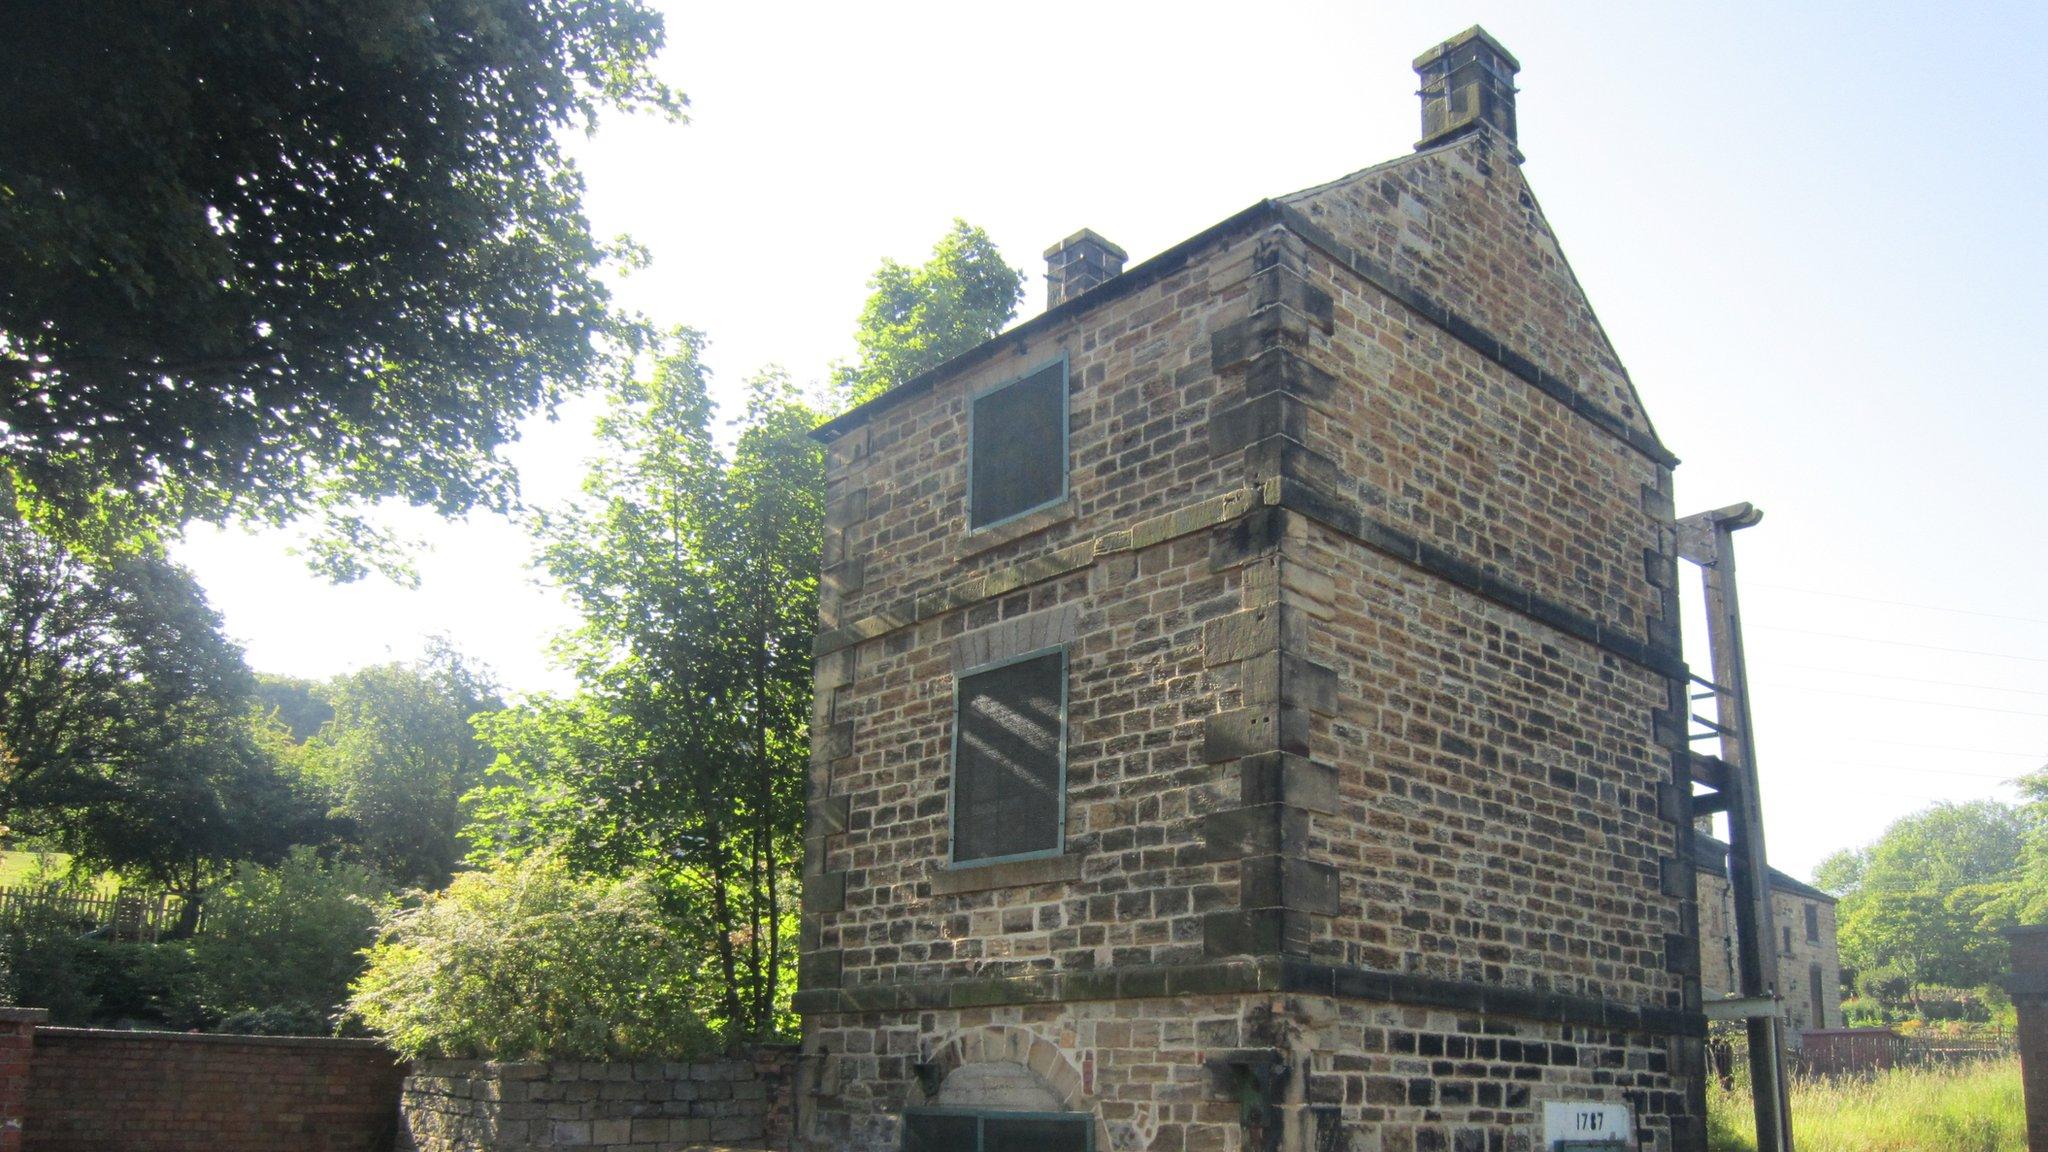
<point>1965,1108</point>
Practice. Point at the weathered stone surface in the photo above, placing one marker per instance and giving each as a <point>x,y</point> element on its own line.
<point>1360,584</point>
<point>743,1100</point>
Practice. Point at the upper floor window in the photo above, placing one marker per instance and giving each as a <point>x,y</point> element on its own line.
<point>1009,759</point>
<point>1017,446</point>
<point>1813,924</point>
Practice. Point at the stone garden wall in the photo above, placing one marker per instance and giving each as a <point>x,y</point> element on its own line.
<point>737,1101</point>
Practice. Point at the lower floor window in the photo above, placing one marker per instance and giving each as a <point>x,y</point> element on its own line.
<point>960,1130</point>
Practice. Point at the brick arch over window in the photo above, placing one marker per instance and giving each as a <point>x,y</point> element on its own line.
<point>1051,1067</point>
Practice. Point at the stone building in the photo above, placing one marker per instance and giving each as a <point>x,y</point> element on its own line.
<point>1250,712</point>
<point>1809,968</point>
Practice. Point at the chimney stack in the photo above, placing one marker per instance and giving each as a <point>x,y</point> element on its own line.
<point>1467,81</point>
<point>1078,263</point>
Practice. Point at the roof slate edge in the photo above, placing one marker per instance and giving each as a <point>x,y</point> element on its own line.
<point>1710,854</point>
<point>1131,280</point>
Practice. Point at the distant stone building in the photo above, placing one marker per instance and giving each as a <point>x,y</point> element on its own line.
<point>1250,712</point>
<point>1808,965</point>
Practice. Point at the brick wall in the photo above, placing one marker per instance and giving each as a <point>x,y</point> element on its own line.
<point>106,1091</point>
<point>737,1101</point>
<point>17,1051</point>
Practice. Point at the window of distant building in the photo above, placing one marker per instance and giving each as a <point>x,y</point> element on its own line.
<point>1009,759</point>
<point>1788,940</point>
<point>1017,447</point>
<point>1814,990</point>
<point>957,1130</point>
<point>1813,923</point>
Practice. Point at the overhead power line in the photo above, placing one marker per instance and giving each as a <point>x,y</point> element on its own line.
<point>2042,757</point>
<point>1908,679</point>
<point>1900,643</point>
<point>2003,777</point>
<point>1913,700</point>
<point>1901,603</point>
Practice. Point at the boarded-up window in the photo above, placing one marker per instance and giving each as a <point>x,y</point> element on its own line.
<point>1018,454</point>
<point>1819,994</point>
<point>950,1131</point>
<point>1812,924</point>
<point>1009,740</point>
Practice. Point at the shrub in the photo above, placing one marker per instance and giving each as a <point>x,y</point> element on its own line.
<point>296,1020</point>
<point>283,943</point>
<point>1864,1012</point>
<point>526,961</point>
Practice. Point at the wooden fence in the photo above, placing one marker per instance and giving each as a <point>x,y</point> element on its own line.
<point>1855,1051</point>
<point>143,916</point>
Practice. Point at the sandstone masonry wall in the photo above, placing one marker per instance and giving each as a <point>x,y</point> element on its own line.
<point>1376,829</point>
<point>739,1101</point>
<point>1795,965</point>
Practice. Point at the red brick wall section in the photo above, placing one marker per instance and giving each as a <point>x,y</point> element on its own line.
<point>113,1091</point>
<point>17,1040</point>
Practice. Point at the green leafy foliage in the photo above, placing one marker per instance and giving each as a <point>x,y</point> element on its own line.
<point>918,318</point>
<point>396,758</point>
<point>1915,904</point>
<point>299,705</point>
<point>280,947</point>
<point>57,962</point>
<point>681,756</point>
<point>528,961</point>
<point>125,730</point>
<point>282,944</point>
<point>257,259</point>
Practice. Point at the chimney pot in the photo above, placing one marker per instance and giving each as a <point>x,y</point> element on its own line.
<point>1078,263</point>
<point>1467,81</point>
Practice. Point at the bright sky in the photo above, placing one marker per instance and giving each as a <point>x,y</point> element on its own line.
<point>1814,232</point>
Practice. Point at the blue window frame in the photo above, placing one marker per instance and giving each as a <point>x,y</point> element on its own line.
<point>970,1130</point>
<point>1017,446</point>
<point>1009,790</point>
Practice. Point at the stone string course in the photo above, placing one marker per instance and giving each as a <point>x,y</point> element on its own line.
<point>734,1102</point>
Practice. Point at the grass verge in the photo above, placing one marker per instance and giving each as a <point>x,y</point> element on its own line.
<point>1966,1108</point>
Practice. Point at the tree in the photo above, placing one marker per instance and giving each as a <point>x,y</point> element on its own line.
<point>261,258</point>
<point>682,754</point>
<point>300,706</point>
<point>2026,898</point>
<point>397,757</point>
<point>918,318</point>
<point>1915,902</point>
<point>125,727</point>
